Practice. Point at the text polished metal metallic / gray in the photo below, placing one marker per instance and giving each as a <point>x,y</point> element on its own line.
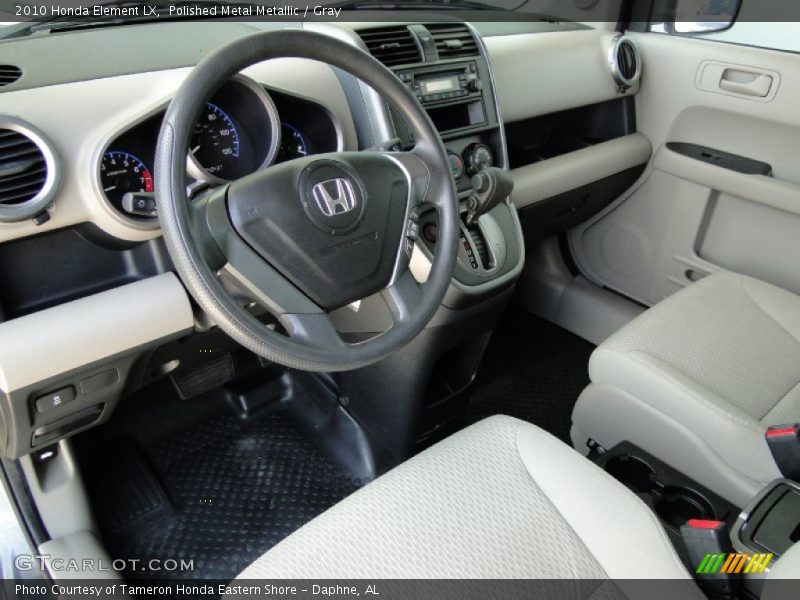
<point>334,196</point>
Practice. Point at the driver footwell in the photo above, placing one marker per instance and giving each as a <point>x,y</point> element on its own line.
<point>218,492</point>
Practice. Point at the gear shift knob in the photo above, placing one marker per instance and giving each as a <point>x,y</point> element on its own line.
<point>490,186</point>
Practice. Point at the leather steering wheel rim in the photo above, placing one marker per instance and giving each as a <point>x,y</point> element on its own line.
<point>412,305</point>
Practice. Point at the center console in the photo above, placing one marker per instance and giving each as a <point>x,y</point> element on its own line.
<point>420,394</point>
<point>754,539</point>
<point>771,522</point>
<point>459,98</point>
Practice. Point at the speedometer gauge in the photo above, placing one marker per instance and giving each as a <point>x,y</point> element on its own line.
<point>122,172</point>
<point>237,133</point>
<point>215,142</point>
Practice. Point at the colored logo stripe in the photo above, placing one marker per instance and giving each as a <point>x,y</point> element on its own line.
<point>734,563</point>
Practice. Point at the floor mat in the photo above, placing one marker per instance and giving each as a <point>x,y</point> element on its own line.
<point>128,480</point>
<point>236,488</point>
<point>533,370</point>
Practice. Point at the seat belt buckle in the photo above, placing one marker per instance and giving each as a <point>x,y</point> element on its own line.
<point>709,545</point>
<point>784,443</point>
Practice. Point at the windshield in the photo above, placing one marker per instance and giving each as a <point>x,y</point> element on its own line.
<point>19,20</point>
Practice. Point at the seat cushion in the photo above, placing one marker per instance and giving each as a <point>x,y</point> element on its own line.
<point>500,499</point>
<point>721,358</point>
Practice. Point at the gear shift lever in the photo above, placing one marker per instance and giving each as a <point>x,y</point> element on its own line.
<point>490,186</point>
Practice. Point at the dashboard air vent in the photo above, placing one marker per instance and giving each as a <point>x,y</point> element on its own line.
<point>9,74</point>
<point>626,63</point>
<point>453,40</point>
<point>28,173</point>
<point>391,45</point>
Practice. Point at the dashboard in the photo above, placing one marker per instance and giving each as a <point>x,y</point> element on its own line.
<point>85,279</point>
<point>242,128</point>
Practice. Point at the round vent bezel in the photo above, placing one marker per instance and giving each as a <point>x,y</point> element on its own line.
<point>624,83</point>
<point>12,213</point>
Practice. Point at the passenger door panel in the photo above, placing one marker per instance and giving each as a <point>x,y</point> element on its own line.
<point>734,202</point>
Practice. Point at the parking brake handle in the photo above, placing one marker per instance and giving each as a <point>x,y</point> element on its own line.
<point>490,186</point>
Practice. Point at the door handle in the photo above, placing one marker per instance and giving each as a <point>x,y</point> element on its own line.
<point>746,83</point>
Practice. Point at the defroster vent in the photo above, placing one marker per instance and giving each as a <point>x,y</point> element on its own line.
<point>453,40</point>
<point>391,45</point>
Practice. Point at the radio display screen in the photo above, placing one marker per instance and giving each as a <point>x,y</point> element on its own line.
<point>434,86</point>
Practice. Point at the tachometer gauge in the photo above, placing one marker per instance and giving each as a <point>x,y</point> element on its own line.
<point>293,143</point>
<point>122,172</point>
<point>215,142</point>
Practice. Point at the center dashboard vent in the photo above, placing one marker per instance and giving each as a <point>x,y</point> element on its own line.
<point>625,62</point>
<point>28,173</point>
<point>9,74</point>
<point>453,40</point>
<point>391,45</point>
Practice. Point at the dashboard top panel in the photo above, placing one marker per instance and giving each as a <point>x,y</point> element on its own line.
<point>71,56</point>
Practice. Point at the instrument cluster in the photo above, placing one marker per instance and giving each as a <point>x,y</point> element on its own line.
<point>243,128</point>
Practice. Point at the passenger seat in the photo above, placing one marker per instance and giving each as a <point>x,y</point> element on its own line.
<point>697,379</point>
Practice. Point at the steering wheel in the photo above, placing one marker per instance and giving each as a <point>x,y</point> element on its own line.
<point>313,234</point>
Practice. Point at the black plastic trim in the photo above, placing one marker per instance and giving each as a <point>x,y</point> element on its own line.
<point>720,158</point>
<point>560,213</point>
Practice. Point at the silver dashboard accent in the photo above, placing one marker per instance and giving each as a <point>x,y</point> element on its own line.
<point>485,54</point>
<point>128,220</point>
<point>624,83</point>
<point>376,109</point>
<point>10,213</point>
<point>197,171</point>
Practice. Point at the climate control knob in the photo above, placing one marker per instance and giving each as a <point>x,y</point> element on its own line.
<point>456,165</point>
<point>477,157</point>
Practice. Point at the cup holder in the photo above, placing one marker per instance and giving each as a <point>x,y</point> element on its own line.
<point>633,472</point>
<point>673,502</point>
<point>679,504</point>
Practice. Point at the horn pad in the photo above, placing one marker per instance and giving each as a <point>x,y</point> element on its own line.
<point>333,227</point>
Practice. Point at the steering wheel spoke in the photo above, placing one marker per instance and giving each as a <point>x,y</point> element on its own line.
<point>418,174</point>
<point>403,296</point>
<point>315,330</point>
<point>237,265</point>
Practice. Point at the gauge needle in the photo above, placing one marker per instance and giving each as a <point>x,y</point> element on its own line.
<point>108,189</point>
<point>196,148</point>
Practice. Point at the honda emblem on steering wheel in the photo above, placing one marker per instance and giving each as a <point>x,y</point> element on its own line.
<point>334,196</point>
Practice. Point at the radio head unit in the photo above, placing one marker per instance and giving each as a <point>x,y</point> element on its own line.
<point>443,82</point>
<point>452,93</point>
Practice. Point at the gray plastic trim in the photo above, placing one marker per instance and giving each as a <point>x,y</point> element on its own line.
<point>50,342</point>
<point>547,178</point>
<point>57,488</point>
<point>82,548</point>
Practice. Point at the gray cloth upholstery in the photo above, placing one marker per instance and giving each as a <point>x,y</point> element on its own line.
<point>707,369</point>
<point>501,499</point>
